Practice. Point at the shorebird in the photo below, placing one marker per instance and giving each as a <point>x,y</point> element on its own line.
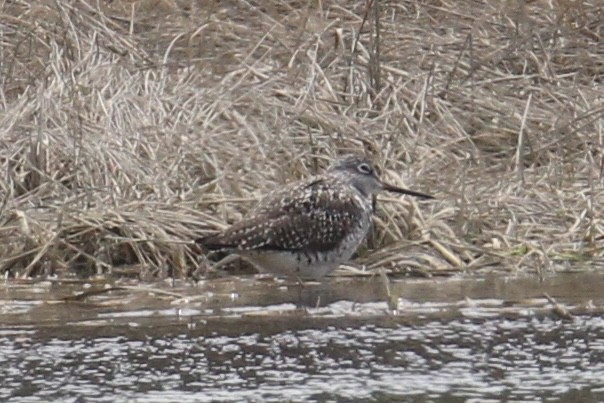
<point>306,229</point>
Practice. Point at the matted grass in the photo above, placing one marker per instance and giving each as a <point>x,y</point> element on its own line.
<point>128,130</point>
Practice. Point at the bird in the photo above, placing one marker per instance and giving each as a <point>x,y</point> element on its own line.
<point>306,229</point>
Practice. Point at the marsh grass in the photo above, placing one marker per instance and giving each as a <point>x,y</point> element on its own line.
<point>129,128</point>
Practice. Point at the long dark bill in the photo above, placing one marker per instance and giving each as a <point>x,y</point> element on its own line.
<point>392,188</point>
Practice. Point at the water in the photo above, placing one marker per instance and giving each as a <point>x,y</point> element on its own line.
<point>464,339</point>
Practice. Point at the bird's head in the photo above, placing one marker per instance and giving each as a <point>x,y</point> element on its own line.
<point>359,172</point>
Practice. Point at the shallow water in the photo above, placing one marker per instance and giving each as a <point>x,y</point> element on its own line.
<point>458,339</point>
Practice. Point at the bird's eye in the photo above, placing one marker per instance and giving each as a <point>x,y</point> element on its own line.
<point>364,168</point>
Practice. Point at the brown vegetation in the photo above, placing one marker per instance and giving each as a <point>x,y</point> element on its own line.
<point>129,130</point>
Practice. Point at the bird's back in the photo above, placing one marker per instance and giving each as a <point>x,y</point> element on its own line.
<point>315,216</point>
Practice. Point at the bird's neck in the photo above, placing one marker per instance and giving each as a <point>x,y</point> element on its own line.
<point>354,184</point>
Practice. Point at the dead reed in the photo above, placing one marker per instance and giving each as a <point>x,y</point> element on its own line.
<point>128,128</point>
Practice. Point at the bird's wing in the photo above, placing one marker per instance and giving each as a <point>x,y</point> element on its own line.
<point>313,216</point>
<point>286,196</point>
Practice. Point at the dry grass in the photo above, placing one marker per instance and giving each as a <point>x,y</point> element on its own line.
<point>130,129</point>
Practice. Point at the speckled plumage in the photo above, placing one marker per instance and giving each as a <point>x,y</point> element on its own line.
<point>308,228</point>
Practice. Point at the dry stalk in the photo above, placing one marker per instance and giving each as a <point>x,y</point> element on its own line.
<point>129,129</point>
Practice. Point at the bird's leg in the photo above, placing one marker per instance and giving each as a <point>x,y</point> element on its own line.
<point>300,287</point>
<point>391,297</point>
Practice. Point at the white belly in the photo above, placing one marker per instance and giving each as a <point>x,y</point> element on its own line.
<point>287,264</point>
<point>306,264</point>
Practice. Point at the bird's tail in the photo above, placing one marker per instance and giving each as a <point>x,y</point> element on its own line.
<point>212,242</point>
